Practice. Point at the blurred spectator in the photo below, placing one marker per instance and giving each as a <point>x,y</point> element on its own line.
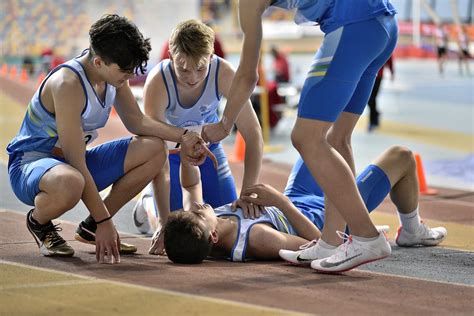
<point>441,38</point>
<point>280,65</point>
<point>49,60</point>
<point>374,115</point>
<point>28,65</point>
<point>57,60</point>
<point>274,100</point>
<point>46,58</point>
<point>463,53</point>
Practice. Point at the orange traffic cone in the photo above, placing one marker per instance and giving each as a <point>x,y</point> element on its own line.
<point>13,72</point>
<point>424,190</point>
<point>239,148</point>
<point>24,76</point>
<point>4,70</point>
<point>40,79</point>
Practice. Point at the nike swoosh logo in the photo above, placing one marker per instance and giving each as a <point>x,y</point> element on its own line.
<point>303,259</point>
<point>326,264</point>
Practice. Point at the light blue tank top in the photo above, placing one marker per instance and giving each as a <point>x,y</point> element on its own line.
<point>331,14</point>
<point>38,132</point>
<point>272,216</point>
<point>204,110</point>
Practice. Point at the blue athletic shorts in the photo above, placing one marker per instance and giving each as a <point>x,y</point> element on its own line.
<point>105,163</point>
<point>307,196</point>
<point>343,70</point>
<point>218,186</point>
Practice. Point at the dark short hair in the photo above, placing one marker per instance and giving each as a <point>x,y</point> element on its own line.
<point>117,40</point>
<point>185,240</point>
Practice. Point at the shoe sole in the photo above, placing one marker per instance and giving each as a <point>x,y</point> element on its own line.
<point>420,244</point>
<point>427,243</point>
<point>302,264</point>
<point>80,239</point>
<point>345,270</point>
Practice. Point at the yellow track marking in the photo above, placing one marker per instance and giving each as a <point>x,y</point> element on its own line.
<point>38,291</point>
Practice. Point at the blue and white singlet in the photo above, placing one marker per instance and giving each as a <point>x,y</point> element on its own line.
<point>38,132</point>
<point>272,216</point>
<point>204,110</point>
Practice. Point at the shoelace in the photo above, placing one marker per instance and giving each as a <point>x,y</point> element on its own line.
<point>309,244</point>
<point>424,230</point>
<point>53,235</point>
<point>347,238</point>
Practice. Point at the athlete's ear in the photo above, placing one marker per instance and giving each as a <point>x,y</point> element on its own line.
<point>214,236</point>
<point>97,61</point>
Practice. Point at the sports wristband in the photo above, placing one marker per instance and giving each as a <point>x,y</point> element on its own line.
<point>103,220</point>
<point>179,144</point>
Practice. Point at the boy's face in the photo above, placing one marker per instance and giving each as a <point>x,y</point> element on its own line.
<point>113,75</point>
<point>188,72</point>
<point>204,215</point>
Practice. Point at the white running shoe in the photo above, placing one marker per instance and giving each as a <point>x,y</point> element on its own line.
<point>307,253</point>
<point>353,253</point>
<point>140,217</point>
<point>424,237</point>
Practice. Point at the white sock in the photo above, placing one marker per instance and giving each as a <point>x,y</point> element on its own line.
<point>410,221</point>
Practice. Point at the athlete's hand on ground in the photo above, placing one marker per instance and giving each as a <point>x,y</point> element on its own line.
<point>157,243</point>
<point>262,194</point>
<point>249,209</point>
<point>214,133</point>
<point>107,243</point>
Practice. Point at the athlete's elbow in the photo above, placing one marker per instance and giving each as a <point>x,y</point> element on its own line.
<point>249,79</point>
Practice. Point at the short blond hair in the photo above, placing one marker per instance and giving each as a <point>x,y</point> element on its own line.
<point>192,38</point>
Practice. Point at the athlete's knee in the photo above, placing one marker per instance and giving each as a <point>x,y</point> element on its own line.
<point>304,142</point>
<point>155,154</point>
<point>339,141</point>
<point>69,184</point>
<point>153,148</point>
<point>404,156</point>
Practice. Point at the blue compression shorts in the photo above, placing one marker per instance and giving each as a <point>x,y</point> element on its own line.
<point>105,163</point>
<point>307,196</point>
<point>343,70</point>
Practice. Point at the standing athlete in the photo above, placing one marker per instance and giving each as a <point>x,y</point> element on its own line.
<point>360,35</point>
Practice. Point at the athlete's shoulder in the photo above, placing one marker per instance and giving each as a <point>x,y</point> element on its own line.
<point>156,74</point>
<point>64,78</point>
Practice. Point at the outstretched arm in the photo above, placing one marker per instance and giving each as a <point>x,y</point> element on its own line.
<point>139,124</point>
<point>191,185</point>
<point>265,242</point>
<point>69,101</point>
<point>250,17</point>
<point>192,192</point>
<point>248,126</point>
